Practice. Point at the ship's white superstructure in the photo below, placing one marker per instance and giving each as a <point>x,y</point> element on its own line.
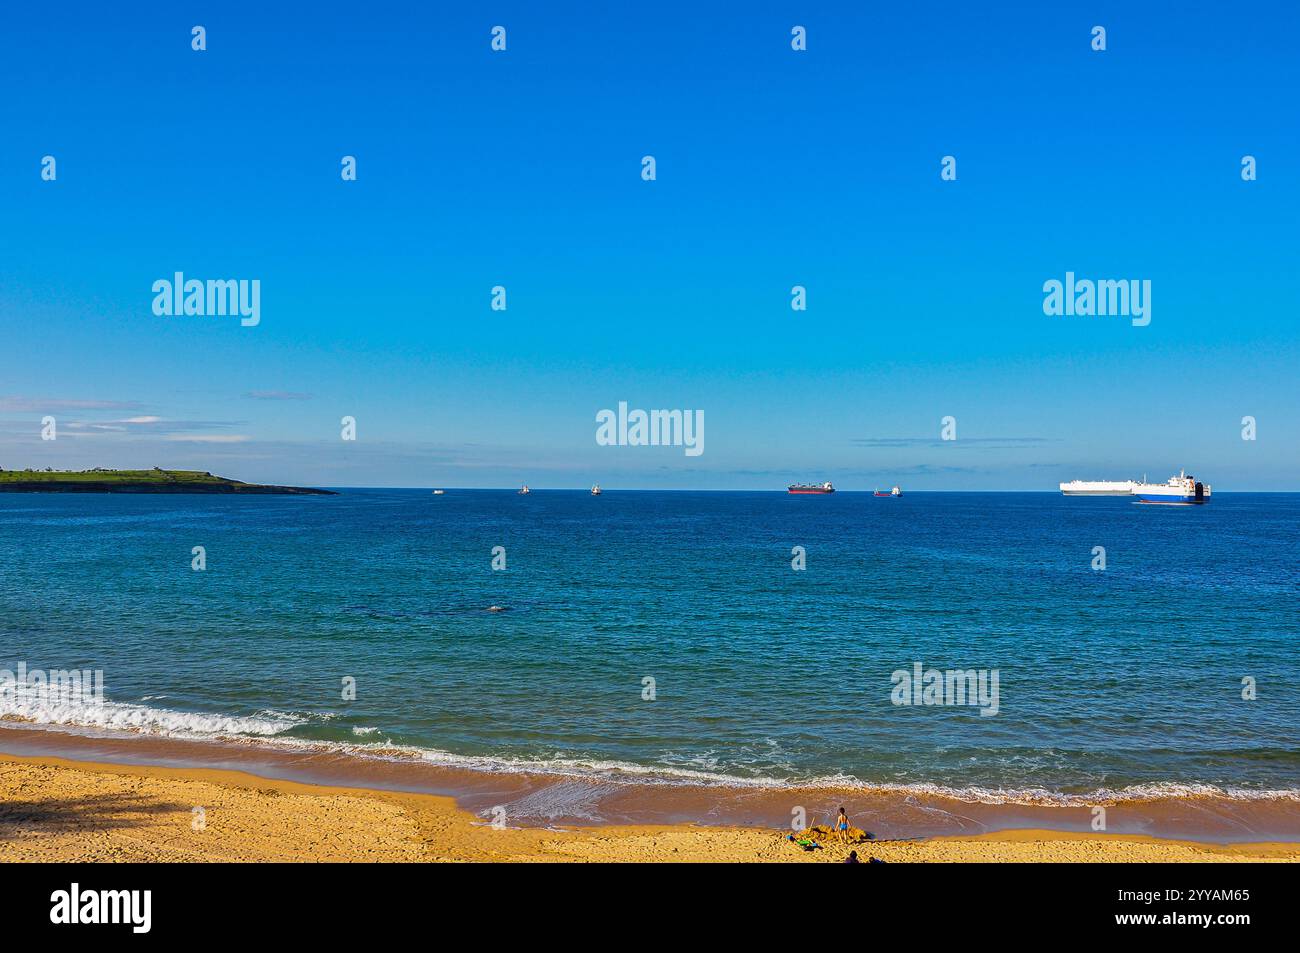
<point>1098,488</point>
<point>1179,489</point>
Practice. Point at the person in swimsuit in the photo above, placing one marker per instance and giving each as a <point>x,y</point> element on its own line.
<point>842,826</point>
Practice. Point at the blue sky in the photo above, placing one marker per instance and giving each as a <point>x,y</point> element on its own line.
<point>775,168</point>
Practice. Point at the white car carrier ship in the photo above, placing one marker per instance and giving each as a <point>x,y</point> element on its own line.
<point>1178,490</point>
<point>1098,488</point>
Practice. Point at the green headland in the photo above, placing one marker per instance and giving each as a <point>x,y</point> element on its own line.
<point>156,480</point>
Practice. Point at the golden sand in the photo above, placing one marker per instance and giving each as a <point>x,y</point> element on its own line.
<point>57,810</point>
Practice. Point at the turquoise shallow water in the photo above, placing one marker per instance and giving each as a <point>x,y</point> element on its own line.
<point>1129,679</point>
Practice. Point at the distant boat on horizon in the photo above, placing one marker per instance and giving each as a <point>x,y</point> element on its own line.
<point>595,490</point>
<point>1179,490</point>
<point>1098,488</point>
<point>811,487</point>
<point>439,492</point>
<point>524,491</point>
<point>896,491</point>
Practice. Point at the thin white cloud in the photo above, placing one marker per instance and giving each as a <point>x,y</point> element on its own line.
<point>277,395</point>
<point>47,404</point>
<point>981,443</point>
<point>208,438</point>
<point>145,425</point>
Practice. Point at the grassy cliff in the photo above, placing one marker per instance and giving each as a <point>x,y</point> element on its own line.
<point>133,481</point>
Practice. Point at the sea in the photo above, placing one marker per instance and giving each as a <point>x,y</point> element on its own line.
<point>709,656</point>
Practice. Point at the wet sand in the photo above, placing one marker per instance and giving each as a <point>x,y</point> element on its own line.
<point>65,796</point>
<point>58,810</point>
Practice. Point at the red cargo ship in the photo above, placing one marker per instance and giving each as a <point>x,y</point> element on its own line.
<point>812,487</point>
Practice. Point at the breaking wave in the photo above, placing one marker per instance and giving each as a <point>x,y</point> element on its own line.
<point>270,727</point>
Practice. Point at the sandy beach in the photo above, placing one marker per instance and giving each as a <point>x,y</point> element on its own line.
<point>57,810</point>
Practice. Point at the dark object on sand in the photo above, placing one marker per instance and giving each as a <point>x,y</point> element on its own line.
<point>807,843</point>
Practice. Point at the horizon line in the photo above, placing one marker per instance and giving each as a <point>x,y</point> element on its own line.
<point>643,489</point>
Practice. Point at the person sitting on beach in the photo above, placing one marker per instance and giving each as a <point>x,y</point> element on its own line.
<point>808,842</point>
<point>852,858</point>
<point>842,827</point>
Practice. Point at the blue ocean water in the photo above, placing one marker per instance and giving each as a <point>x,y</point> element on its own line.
<point>1127,679</point>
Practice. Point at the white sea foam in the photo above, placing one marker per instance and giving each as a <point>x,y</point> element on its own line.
<point>628,773</point>
<point>267,728</point>
<point>1041,796</point>
<point>568,800</point>
<point>116,716</point>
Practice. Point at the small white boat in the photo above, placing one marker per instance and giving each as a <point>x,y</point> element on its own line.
<point>524,491</point>
<point>595,490</point>
<point>439,492</point>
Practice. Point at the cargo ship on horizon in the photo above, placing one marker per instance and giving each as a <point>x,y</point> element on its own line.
<point>1179,490</point>
<point>1098,488</point>
<point>811,487</point>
